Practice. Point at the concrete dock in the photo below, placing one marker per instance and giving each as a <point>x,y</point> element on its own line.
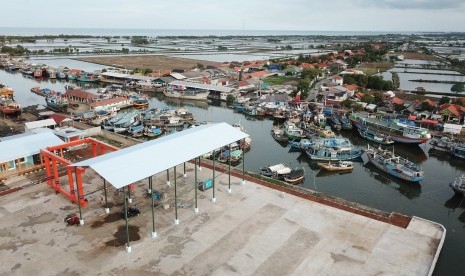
<point>255,230</point>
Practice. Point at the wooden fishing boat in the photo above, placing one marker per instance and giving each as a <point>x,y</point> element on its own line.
<point>339,166</point>
<point>296,176</point>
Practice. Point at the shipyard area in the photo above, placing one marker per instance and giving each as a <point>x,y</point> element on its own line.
<point>252,230</point>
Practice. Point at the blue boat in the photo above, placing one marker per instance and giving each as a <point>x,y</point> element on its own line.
<point>393,164</point>
<point>301,145</point>
<point>333,149</point>
<point>458,151</point>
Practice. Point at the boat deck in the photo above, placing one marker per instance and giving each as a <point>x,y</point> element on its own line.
<point>254,230</point>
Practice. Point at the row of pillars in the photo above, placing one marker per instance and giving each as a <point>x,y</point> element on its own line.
<point>127,194</point>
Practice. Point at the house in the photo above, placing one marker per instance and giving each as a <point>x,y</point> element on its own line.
<point>351,88</point>
<point>60,119</point>
<point>245,86</point>
<point>359,95</point>
<point>21,153</point>
<point>398,101</point>
<point>452,113</point>
<point>337,80</point>
<point>178,76</point>
<point>111,104</point>
<point>80,96</point>
<point>334,95</point>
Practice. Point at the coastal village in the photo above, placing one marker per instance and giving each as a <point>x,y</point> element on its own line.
<point>316,102</point>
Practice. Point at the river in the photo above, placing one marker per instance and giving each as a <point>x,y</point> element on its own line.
<point>432,199</point>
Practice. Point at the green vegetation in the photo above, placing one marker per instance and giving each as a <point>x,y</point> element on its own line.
<point>16,51</point>
<point>277,80</point>
<point>139,40</point>
<point>395,80</point>
<point>370,82</point>
<point>458,88</point>
<point>444,100</point>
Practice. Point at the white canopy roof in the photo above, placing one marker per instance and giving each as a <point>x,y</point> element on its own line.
<point>26,145</point>
<point>128,165</point>
<point>40,123</point>
<point>202,86</point>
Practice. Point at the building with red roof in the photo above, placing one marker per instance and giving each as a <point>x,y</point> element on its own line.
<point>80,96</point>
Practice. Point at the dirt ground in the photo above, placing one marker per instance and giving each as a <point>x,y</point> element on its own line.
<point>418,56</point>
<point>153,62</point>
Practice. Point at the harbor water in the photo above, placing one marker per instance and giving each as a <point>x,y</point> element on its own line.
<point>432,199</point>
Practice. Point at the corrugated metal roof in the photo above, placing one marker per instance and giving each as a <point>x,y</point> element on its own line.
<point>27,145</point>
<point>40,123</point>
<point>138,162</point>
<point>202,86</point>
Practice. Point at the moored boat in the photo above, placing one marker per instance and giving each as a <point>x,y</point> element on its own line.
<point>270,171</point>
<point>400,130</point>
<point>458,185</point>
<point>338,166</point>
<point>295,176</point>
<point>333,149</point>
<point>373,136</point>
<point>10,107</point>
<point>57,103</point>
<point>279,135</point>
<point>393,164</point>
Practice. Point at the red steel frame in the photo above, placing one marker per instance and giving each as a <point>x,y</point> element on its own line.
<point>52,160</point>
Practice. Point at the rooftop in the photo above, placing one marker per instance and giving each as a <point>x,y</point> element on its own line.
<point>253,230</point>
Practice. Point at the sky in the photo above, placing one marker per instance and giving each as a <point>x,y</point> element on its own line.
<point>298,15</point>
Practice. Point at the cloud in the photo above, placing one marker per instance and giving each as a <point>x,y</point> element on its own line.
<point>416,4</point>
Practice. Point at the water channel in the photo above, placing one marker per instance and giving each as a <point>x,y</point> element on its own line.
<point>432,199</point>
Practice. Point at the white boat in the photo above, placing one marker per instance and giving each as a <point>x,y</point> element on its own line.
<point>188,94</point>
<point>458,185</point>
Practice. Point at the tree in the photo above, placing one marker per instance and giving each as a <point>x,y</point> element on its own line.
<point>368,99</point>
<point>303,86</point>
<point>458,87</point>
<point>444,100</point>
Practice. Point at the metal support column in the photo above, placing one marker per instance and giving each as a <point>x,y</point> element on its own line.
<point>154,232</point>
<point>185,174</point>
<point>176,220</point>
<point>243,163</point>
<point>168,177</point>
<point>229,170</point>
<point>129,195</point>
<point>200,168</point>
<point>213,184</point>
<point>128,247</point>
<point>196,209</point>
<point>107,210</point>
<point>81,220</point>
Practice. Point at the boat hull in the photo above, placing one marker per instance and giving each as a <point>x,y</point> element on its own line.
<point>395,137</point>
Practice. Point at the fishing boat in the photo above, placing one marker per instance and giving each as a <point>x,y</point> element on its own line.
<point>226,155</point>
<point>270,171</point>
<point>400,130</point>
<point>326,133</point>
<point>279,135</point>
<point>139,101</point>
<point>345,122</point>
<point>458,150</point>
<point>458,185</point>
<point>442,144</point>
<point>302,144</point>
<point>392,164</point>
<point>334,122</point>
<point>293,132</point>
<point>373,136</point>
<point>295,176</point>
<point>56,103</point>
<point>188,94</point>
<point>337,167</point>
<point>10,107</point>
<point>333,149</point>
<point>153,132</point>
<point>87,77</point>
